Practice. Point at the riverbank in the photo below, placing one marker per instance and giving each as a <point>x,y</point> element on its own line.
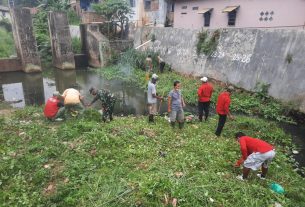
<point>128,162</point>
<point>244,102</point>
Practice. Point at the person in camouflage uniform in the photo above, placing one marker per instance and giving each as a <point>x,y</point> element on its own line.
<point>107,99</point>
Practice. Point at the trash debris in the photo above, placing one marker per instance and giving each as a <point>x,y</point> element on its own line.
<point>174,202</point>
<point>162,154</point>
<point>179,174</point>
<point>189,118</point>
<point>47,166</point>
<point>277,188</point>
<point>295,152</point>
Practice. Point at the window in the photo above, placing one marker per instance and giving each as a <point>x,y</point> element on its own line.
<point>195,8</point>
<point>147,4</point>
<point>184,7</point>
<point>132,3</point>
<point>173,7</point>
<point>207,18</point>
<point>232,11</point>
<point>232,18</point>
<point>183,13</point>
<point>151,5</point>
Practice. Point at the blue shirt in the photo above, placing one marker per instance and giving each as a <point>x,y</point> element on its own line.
<point>176,99</point>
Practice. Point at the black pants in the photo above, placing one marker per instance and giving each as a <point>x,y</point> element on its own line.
<point>162,65</point>
<point>221,124</point>
<point>203,106</point>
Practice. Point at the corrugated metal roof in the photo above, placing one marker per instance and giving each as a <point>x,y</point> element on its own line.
<point>202,11</point>
<point>230,8</point>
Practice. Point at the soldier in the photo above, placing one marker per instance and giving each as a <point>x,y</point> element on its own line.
<point>107,99</point>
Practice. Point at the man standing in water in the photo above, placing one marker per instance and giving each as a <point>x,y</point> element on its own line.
<point>107,99</point>
<point>152,98</point>
<point>175,105</point>
<point>204,95</point>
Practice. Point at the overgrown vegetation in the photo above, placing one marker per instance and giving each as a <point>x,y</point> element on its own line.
<point>289,58</point>
<point>128,162</point>
<point>207,45</point>
<point>116,13</point>
<point>258,103</point>
<point>76,45</point>
<point>41,29</point>
<point>7,46</point>
<point>73,19</point>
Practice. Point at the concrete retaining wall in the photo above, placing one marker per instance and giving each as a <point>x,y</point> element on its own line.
<point>10,64</point>
<point>243,57</point>
<point>25,41</point>
<point>61,42</point>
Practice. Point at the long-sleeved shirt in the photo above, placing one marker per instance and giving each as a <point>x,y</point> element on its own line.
<point>249,145</point>
<point>223,103</point>
<point>205,92</point>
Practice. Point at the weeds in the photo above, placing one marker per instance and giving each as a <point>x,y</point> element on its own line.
<point>89,163</point>
<point>242,102</point>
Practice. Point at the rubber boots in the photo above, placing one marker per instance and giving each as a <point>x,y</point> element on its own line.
<point>181,124</point>
<point>173,124</point>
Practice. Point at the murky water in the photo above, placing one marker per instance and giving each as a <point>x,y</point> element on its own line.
<point>20,89</point>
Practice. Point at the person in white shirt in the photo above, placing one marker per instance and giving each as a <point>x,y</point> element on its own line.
<point>152,98</point>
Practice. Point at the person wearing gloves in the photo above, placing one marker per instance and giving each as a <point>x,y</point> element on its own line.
<point>256,153</point>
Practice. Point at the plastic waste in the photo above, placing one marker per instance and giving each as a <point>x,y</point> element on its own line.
<point>277,188</point>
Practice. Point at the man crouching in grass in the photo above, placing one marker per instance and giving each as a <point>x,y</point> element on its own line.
<point>256,153</point>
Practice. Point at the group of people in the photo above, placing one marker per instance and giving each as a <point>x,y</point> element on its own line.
<point>176,103</point>
<point>72,102</point>
<point>256,153</point>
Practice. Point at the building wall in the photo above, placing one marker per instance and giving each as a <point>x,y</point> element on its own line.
<point>156,15</point>
<point>287,13</point>
<point>244,57</point>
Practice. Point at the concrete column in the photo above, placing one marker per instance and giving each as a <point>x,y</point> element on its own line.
<point>25,41</point>
<point>92,40</point>
<point>61,42</point>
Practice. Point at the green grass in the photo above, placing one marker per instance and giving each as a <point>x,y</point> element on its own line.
<point>7,46</point>
<point>90,163</point>
<point>242,101</point>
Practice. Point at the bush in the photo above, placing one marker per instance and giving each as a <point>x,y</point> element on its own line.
<point>76,45</point>
<point>73,19</point>
<point>7,46</point>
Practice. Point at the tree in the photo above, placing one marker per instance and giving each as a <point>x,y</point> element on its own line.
<point>114,11</point>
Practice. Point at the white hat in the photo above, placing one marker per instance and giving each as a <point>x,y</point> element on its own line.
<point>56,93</point>
<point>154,76</point>
<point>204,79</point>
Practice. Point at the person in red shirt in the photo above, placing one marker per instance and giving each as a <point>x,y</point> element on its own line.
<point>256,153</point>
<point>222,109</point>
<point>204,95</point>
<point>54,107</point>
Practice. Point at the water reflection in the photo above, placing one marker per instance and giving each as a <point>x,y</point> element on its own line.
<point>20,89</point>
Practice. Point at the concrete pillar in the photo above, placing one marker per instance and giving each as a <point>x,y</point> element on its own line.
<point>25,41</point>
<point>93,41</point>
<point>61,42</point>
